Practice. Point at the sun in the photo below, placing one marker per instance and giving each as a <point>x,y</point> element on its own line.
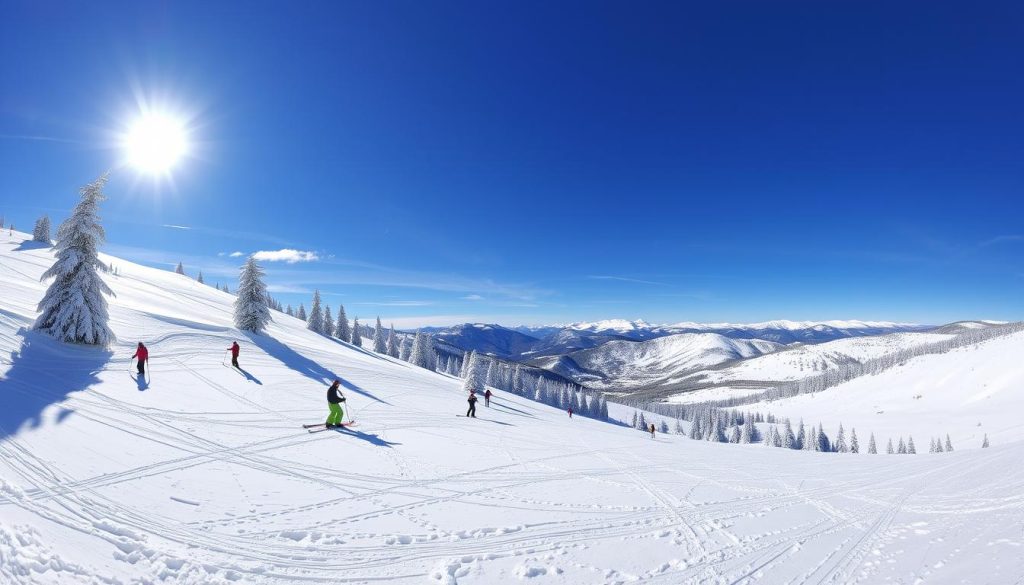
<point>155,142</point>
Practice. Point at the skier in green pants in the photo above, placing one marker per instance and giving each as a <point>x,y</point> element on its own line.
<point>334,400</point>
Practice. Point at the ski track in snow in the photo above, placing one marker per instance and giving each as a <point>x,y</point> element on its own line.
<point>206,476</point>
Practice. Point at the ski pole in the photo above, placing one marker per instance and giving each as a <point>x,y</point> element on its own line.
<point>224,357</point>
<point>130,360</point>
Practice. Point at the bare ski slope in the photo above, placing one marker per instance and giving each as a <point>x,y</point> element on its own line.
<point>205,476</point>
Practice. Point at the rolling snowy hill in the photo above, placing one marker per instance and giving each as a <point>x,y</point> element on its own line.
<point>204,475</point>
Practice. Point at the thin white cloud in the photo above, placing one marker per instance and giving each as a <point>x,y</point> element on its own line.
<point>175,227</point>
<point>286,255</point>
<point>397,304</point>
<point>472,298</point>
<point>625,279</point>
<point>236,254</point>
<point>287,288</point>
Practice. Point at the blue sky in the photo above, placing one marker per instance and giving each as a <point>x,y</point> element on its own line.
<point>537,162</point>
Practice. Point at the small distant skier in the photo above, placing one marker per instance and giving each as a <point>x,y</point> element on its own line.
<point>570,412</point>
<point>652,430</point>
<point>141,354</point>
<point>334,400</point>
<point>234,349</point>
<point>487,398</point>
<point>472,404</point>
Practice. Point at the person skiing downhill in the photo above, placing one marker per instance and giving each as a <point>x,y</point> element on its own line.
<point>334,400</point>
<point>234,349</point>
<point>570,412</point>
<point>472,404</point>
<point>487,398</point>
<point>652,430</point>
<point>141,354</point>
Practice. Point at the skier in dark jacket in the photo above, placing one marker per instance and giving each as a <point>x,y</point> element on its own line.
<point>334,400</point>
<point>141,354</point>
<point>234,349</point>
<point>487,398</point>
<point>472,404</point>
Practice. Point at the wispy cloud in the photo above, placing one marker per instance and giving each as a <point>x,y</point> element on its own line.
<point>236,254</point>
<point>175,227</point>
<point>396,303</point>
<point>285,288</point>
<point>472,298</point>
<point>626,279</point>
<point>286,255</point>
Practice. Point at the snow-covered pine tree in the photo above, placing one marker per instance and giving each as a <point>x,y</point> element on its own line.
<point>315,322</point>
<point>854,445</point>
<point>734,436</point>
<point>788,438</point>
<point>769,437</point>
<point>938,445</point>
<point>663,428</point>
<point>474,379</point>
<point>889,449</point>
<point>824,445</point>
<point>841,440</point>
<point>872,448</point>
<point>379,341</point>
<point>328,321</point>
<point>341,330</point>
<point>636,420</point>
<point>984,442</point>
<point>392,349</point>
<point>801,436</point>
<point>641,424</point>
<point>406,350</point>
<point>910,446</point>
<point>931,446</point>
<point>179,269</point>
<point>357,335</point>
<point>199,278</point>
<point>949,444</point>
<point>301,313</point>
<point>679,426</point>
<point>251,312</point>
<point>604,408</point>
<point>747,432</point>
<point>423,354</point>
<point>41,233</point>
<point>73,308</point>
<point>288,311</point>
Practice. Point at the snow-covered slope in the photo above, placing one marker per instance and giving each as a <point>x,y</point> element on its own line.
<point>621,365</point>
<point>966,393</point>
<point>204,476</point>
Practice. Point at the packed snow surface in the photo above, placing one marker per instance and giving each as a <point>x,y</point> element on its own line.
<point>203,474</point>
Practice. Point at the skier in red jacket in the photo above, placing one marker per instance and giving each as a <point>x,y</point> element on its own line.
<point>142,354</point>
<point>234,349</point>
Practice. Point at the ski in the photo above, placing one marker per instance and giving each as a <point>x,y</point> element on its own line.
<point>323,427</point>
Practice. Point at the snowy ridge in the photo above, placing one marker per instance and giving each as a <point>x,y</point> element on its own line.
<point>203,475</point>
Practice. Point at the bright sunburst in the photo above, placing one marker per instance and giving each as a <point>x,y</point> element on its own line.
<point>155,142</point>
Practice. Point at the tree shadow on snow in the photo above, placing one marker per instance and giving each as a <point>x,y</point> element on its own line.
<point>44,372</point>
<point>303,364</point>
<point>32,245</point>
<point>369,438</point>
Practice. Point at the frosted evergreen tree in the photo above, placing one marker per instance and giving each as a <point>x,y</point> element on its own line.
<point>663,428</point>
<point>872,448</point>
<point>251,311</point>
<point>328,321</point>
<point>854,445</point>
<point>984,442</point>
<point>289,311</point>
<point>641,423</point>
<point>392,349</point>
<point>341,330</point>
<point>357,335</point>
<point>769,437</point>
<point>379,341</point>
<point>801,436</point>
<point>315,322</point>
<point>747,432</point>
<point>788,438</point>
<point>179,269</point>
<point>823,443</point>
<point>41,233</point>
<point>226,289</point>
<point>406,351</point>
<point>73,308</point>
<point>841,440</point>
<point>910,446</point>
<point>517,380</point>
<point>423,354</point>
<point>889,449</point>
<point>735,435</point>
<point>474,379</point>
<point>301,313</point>
<point>931,446</point>
<point>636,420</point>
<point>199,278</point>
<point>949,444</point>
<point>679,426</point>
<point>604,408</point>
<point>902,448</point>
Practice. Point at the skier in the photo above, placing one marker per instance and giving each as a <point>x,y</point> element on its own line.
<point>234,349</point>
<point>142,354</point>
<point>487,398</point>
<point>472,404</point>
<point>652,430</point>
<point>570,412</point>
<point>334,400</point>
